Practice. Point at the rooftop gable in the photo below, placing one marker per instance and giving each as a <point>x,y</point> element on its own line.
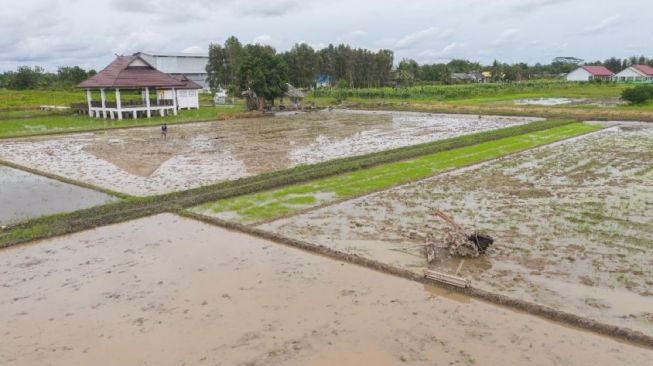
<point>645,69</point>
<point>129,72</point>
<point>598,70</point>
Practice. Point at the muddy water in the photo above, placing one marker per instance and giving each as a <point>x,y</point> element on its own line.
<point>604,102</point>
<point>25,195</point>
<point>138,161</point>
<point>171,291</point>
<point>573,225</point>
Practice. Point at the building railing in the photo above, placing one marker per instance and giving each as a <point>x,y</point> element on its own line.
<point>133,104</point>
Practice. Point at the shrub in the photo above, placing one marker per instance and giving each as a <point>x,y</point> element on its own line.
<point>638,94</point>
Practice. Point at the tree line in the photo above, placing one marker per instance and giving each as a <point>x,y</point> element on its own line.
<point>409,72</point>
<point>26,77</point>
<point>237,67</point>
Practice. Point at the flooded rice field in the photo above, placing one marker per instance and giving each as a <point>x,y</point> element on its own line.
<point>573,224</point>
<point>137,161</point>
<point>599,102</point>
<point>166,290</point>
<point>25,195</point>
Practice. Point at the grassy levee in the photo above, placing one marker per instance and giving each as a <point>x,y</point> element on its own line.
<point>267,205</point>
<point>136,207</point>
<point>71,123</point>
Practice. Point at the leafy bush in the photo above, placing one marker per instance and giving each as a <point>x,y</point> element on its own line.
<point>638,94</point>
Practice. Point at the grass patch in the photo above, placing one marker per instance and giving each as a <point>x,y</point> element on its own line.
<point>136,207</point>
<point>41,125</point>
<point>271,204</point>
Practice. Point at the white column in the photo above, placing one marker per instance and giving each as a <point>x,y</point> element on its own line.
<point>103,97</point>
<point>147,102</point>
<point>118,103</point>
<point>174,101</point>
<point>88,99</point>
<point>134,114</point>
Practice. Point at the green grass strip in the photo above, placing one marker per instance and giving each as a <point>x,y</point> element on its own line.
<point>136,207</point>
<point>44,125</point>
<point>271,204</point>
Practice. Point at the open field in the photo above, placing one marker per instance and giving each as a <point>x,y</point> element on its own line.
<point>168,291</point>
<point>38,124</point>
<point>137,161</point>
<point>270,204</point>
<point>24,195</point>
<point>588,101</point>
<point>572,223</point>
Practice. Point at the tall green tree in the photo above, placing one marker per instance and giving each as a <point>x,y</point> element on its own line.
<point>264,72</point>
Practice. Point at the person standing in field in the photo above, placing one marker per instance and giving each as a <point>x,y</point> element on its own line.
<point>164,131</point>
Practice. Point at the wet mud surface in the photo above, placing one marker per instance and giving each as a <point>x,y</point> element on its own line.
<point>137,161</point>
<point>25,195</point>
<point>573,224</point>
<point>165,290</point>
<point>602,102</point>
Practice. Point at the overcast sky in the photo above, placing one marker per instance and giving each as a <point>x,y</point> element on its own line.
<point>88,33</point>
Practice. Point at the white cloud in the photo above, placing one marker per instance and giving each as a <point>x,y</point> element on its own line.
<point>452,50</point>
<point>509,36</point>
<point>428,34</point>
<point>351,36</point>
<point>75,32</point>
<point>268,8</point>
<point>194,49</point>
<point>601,26</point>
<point>264,39</point>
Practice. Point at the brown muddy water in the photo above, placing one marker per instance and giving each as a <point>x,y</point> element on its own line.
<point>573,224</point>
<point>25,195</point>
<point>137,161</point>
<point>166,290</point>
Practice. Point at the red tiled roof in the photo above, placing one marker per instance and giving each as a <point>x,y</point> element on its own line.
<point>598,70</point>
<point>119,74</point>
<point>646,69</point>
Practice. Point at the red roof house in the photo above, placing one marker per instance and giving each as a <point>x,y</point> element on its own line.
<point>639,73</point>
<point>589,73</point>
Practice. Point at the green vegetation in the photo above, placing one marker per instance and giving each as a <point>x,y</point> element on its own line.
<point>490,91</point>
<point>135,207</point>
<point>75,123</point>
<point>275,203</point>
<point>639,94</point>
<point>29,99</point>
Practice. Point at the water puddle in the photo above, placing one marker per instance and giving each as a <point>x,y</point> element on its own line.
<point>25,195</point>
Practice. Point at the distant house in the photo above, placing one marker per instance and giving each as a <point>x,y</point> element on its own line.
<point>220,96</point>
<point>294,94</point>
<point>190,65</point>
<point>589,73</point>
<point>471,77</point>
<point>641,73</point>
<point>322,81</point>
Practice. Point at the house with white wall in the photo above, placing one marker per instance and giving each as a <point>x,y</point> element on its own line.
<point>589,73</point>
<point>190,65</point>
<point>640,73</point>
<point>187,95</point>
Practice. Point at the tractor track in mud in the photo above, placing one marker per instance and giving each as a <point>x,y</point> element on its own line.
<point>580,322</point>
